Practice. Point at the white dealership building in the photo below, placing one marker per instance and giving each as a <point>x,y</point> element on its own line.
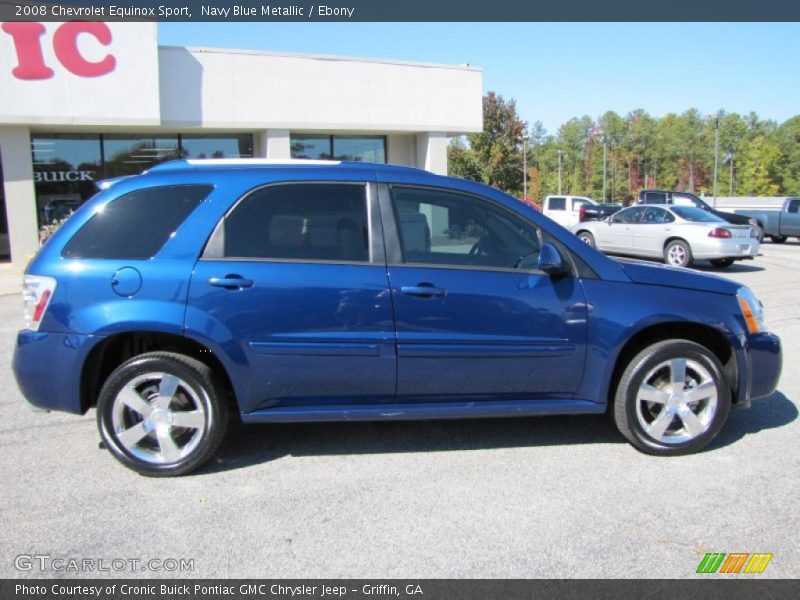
<point>82,101</point>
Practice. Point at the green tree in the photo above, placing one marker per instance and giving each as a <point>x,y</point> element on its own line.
<point>759,165</point>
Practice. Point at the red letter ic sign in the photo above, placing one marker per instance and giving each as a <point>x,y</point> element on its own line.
<point>65,44</point>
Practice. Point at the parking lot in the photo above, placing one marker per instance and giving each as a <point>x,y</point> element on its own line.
<point>525,498</point>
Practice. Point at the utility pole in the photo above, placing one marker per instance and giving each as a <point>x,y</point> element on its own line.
<point>730,193</point>
<point>716,160</point>
<point>525,169</point>
<point>605,162</point>
<point>559,172</point>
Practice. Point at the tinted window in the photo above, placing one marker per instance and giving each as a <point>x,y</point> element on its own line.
<point>439,227</point>
<point>698,215</point>
<point>557,204</point>
<point>655,198</point>
<point>794,205</point>
<point>363,149</point>
<point>656,216</point>
<point>137,224</point>
<point>303,221</point>
<point>629,215</point>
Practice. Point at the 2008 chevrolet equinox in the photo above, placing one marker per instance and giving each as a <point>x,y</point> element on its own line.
<point>317,291</point>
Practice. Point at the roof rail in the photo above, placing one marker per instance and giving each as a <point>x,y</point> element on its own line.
<point>238,162</point>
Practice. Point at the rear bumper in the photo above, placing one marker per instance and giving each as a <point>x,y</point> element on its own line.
<point>764,359</point>
<point>48,367</point>
<point>737,248</point>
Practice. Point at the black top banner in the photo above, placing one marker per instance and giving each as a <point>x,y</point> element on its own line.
<point>404,10</point>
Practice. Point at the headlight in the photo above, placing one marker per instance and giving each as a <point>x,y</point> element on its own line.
<point>752,310</point>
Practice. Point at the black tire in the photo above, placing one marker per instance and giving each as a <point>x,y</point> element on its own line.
<point>721,263</point>
<point>587,238</point>
<point>197,389</point>
<point>778,239</point>
<point>678,248</point>
<point>629,408</point>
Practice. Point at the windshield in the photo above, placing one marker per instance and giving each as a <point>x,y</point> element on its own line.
<point>689,200</point>
<point>698,215</point>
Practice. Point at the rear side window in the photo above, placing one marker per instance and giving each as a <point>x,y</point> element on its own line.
<point>557,204</point>
<point>655,198</point>
<point>137,224</point>
<point>314,221</point>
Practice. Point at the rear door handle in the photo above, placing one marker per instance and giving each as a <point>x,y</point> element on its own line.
<point>231,282</point>
<point>423,290</point>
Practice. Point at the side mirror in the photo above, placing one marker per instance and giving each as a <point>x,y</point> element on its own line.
<point>551,261</point>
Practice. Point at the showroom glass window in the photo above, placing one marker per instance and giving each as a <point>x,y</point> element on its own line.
<point>65,168</point>
<point>132,154</point>
<point>339,147</point>
<point>209,146</point>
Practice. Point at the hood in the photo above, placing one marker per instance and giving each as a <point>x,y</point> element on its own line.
<point>655,274</point>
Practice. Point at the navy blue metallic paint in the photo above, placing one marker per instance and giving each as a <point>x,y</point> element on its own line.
<point>319,341</point>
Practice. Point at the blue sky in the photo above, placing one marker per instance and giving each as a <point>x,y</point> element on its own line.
<point>557,71</point>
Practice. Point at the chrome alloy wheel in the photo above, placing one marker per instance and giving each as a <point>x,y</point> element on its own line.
<point>676,401</point>
<point>676,255</point>
<point>158,418</point>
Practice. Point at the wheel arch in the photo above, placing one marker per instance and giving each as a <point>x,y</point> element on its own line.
<point>705,335</point>
<point>675,238</point>
<point>116,349</point>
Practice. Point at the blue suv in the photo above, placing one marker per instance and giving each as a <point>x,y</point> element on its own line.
<point>324,291</point>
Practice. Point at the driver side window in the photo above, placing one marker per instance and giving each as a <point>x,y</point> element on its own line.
<point>445,228</point>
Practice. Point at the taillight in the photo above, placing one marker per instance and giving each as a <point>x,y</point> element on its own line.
<point>582,213</point>
<point>719,232</point>
<point>36,294</point>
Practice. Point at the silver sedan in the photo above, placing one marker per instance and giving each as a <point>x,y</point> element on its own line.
<point>677,234</point>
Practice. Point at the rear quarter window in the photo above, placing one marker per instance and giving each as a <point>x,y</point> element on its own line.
<point>137,224</point>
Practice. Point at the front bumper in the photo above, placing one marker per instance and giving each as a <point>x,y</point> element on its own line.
<point>763,361</point>
<point>48,368</point>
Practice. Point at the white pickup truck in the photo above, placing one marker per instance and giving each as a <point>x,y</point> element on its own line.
<point>571,210</point>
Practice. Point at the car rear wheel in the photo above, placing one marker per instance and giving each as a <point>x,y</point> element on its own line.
<point>162,414</point>
<point>672,398</point>
<point>722,263</point>
<point>777,239</point>
<point>678,254</point>
<point>587,238</point>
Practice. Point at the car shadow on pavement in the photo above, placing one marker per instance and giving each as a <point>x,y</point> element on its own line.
<point>766,413</point>
<point>248,445</point>
<point>737,267</point>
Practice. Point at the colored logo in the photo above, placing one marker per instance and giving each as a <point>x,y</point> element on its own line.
<point>734,563</point>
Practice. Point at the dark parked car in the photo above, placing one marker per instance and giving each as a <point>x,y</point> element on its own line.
<point>310,291</point>
<point>778,225</point>
<point>687,199</point>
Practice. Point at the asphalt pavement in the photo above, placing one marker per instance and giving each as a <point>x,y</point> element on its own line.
<point>521,498</point>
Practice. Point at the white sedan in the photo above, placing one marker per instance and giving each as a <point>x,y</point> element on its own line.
<point>677,234</point>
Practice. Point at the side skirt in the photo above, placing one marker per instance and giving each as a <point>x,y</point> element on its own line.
<point>423,411</point>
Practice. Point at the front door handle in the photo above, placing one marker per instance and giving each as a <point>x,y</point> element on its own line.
<point>423,290</point>
<point>231,282</point>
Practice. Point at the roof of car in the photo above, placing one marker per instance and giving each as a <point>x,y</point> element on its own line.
<point>252,163</point>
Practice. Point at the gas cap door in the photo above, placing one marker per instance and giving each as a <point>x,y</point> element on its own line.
<point>126,282</point>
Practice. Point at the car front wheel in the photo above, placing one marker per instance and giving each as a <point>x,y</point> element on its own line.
<point>778,239</point>
<point>672,398</point>
<point>162,414</point>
